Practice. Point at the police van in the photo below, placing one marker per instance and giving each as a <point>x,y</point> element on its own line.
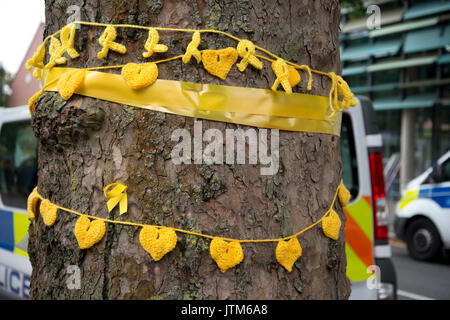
<point>369,265</point>
<point>422,217</point>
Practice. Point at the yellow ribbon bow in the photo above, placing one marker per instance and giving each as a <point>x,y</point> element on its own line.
<point>118,194</point>
<point>152,45</point>
<point>246,50</point>
<point>106,40</point>
<point>57,48</point>
<point>281,70</point>
<point>192,49</point>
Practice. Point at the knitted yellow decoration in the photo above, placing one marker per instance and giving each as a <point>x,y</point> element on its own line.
<point>157,241</point>
<point>57,48</point>
<point>343,194</point>
<point>331,225</point>
<point>287,252</point>
<point>70,82</point>
<point>246,50</point>
<point>32,101</point>
<point>33,199</point>
<point>192,49</point>
<point>226,254</point>
<point>89,232</point>
<point>48,212</point>
<point>139,76</point>
<point>219,62</point>
<point>294,77</point>
<point>151,45</point>
<point>37,61</point>
<point>106,40</point>
<point>340,88</point>
<point>281,70</point>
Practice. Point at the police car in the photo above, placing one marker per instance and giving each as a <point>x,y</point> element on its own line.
<point>423,212</point>
<point>369,264</point>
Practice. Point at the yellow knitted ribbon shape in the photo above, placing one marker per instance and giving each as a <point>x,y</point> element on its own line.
<point>340,88</point>
<point>37,61</point>
<point>58,48</point>
<point>117,195</point>
<point>343,194</point>
<point>151,45</point>
<point>246,50</point>
<point>280,68</point>
<point>287,252</point>
<point>192,49</point>
<point>106,40</point>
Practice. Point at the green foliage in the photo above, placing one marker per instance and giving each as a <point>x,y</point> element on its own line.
<point>5,79</point>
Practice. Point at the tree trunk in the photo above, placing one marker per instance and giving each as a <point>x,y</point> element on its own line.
<point>85,144</point>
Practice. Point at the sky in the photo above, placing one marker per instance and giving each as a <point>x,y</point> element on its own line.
<point>19,21</point>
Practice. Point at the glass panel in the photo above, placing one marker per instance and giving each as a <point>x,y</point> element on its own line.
<point>348,154</point>
<point>18,163</point>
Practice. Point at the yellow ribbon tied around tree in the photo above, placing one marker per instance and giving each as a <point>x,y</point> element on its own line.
<point>116,195</point>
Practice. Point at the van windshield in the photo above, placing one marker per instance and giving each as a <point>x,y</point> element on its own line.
<point>18,163</point>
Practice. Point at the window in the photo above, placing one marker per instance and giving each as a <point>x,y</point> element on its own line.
<point>446,171</point>
<point>348,154</point>
<point>18,163</point>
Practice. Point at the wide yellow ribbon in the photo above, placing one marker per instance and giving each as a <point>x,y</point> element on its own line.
<point>116,195</point>
<point>248,106</point>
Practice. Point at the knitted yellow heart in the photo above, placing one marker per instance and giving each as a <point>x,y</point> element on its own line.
<point>89,232</point>
<point>219,62</point>
<point>287,252</point>
<point>343,194</point>
<point>331,225</point>
<point>48,212</point>
<point>70,82</point>
<point>157,241</point>
<point>139,76</point>
<point>226,254</point>
<point>33,199</point>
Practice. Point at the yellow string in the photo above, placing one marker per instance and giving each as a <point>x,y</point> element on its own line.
<point>197,233</point>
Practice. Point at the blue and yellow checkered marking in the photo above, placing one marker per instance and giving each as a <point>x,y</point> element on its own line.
<point>13,228</point>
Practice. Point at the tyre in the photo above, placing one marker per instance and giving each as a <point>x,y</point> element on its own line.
<point>423,240</point>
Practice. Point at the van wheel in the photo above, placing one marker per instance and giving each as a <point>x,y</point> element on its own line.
<point>423,240</point>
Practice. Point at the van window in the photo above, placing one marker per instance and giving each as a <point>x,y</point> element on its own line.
<point>18,163</point>
<point>348,154</point>
<point>446,170</point>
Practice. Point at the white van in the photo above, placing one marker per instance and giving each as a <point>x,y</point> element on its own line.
<point>366,232</point>
<point>423,212</point>
<point>18,177</point>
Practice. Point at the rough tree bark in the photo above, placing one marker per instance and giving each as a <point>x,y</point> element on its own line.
<point>85,144</point>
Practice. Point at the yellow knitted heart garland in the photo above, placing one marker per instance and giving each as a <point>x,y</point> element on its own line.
<point>160,240</point>
<point>216,62</point>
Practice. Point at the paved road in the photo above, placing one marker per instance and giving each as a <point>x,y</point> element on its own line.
<point>420,280</point>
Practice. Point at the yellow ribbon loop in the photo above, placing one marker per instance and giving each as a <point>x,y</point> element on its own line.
<point>57,48</point>
<point>118,194</point>
<point>37,61</point>
<point>151,45</point>
<point>192,49</point>
<point>281,70</point>
<point>246,50</point>
<point>106,40</point>
<point>339,88</point>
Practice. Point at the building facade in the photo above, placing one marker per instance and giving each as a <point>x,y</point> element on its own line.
<point>397,52</point>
